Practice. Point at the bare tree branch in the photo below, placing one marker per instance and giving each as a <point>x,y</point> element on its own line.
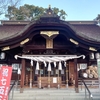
<point>5,3</point>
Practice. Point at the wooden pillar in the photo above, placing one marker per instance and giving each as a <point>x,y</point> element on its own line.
<point>48,79</point>
<point>66,76</point>
<point>31,77</point>
<point>76,75</point>
<point>22,76</point>
<point>58,80</point>
<point>40,79</point>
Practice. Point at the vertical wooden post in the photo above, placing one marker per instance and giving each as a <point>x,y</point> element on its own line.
<point>40,79</point>
<point>31,77</point>
<point>22,75</point>
<point>76,75</point>
<point>66,76</point>
<point>48,79</point>
<point>58,79</point>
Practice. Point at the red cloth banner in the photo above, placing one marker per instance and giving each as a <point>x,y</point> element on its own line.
<point>5,77</point>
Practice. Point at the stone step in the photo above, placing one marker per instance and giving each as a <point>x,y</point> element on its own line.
<point>53,94</point>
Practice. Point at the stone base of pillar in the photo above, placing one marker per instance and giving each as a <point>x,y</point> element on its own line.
<point>39,84</point>
<point>30,84</point>
<point>58,86</point>
<point>48,86</point>
<point>67,86</point>
<point>21,90</point>
<point>77,90</point>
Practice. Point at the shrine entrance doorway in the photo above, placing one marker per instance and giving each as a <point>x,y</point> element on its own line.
<point>50,71</point>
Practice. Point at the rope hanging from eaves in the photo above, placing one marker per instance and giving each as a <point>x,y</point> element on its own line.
<point>49,59</point>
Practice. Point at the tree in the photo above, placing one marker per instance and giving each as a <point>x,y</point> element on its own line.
<point>30,12</point>
<point>60,13</point>
<point>98,19</point>
<point>5,3</point>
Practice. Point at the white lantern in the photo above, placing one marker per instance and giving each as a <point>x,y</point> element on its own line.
<point>2,55</point>
<point>91,55</point>
<point>97,55</point>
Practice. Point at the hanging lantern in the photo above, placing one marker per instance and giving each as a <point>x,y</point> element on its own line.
<point>91,55</point>
<point>49,67</point>
<point>60,66</point>
<point>97,55</point>
<point>37,65</point>
<point>54,64</point>
<point>31,62</point>
<point>2,55</point>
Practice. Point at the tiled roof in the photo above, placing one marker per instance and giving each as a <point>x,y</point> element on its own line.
<point>90,31</point>
<point>7,31</point>
<point>86,31</point>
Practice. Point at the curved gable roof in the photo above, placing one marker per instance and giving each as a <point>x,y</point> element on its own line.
<point>90,32</point>
<point>84,32</point>
<point>87,31</point>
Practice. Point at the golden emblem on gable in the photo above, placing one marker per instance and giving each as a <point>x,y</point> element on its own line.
<point>49,33</point>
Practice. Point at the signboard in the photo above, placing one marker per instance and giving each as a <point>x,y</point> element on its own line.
<point>83,66</point>
<point>98,63</point>
<point>54,80</point>
<point>5,77</point>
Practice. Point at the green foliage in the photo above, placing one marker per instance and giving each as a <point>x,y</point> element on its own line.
<point>30,12</point>
<point>98,19</point>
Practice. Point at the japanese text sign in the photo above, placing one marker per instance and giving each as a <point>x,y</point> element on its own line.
<point>5,77</point>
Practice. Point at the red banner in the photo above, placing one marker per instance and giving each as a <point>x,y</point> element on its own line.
<point>5,77</point>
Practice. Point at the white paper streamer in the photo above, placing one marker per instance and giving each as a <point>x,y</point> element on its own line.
<point>45,64</point>
<point>54,64</point>
<point>19,71</point>
<point>31,62</point>
<point>60,66</point>
<point>65,63</point>
<point>49,67</point>
<point>37,65</point>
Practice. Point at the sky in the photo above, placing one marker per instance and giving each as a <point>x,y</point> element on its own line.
<point>75,9</point>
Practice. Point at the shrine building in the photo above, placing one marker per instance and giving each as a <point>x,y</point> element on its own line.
<point>48,52</point>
